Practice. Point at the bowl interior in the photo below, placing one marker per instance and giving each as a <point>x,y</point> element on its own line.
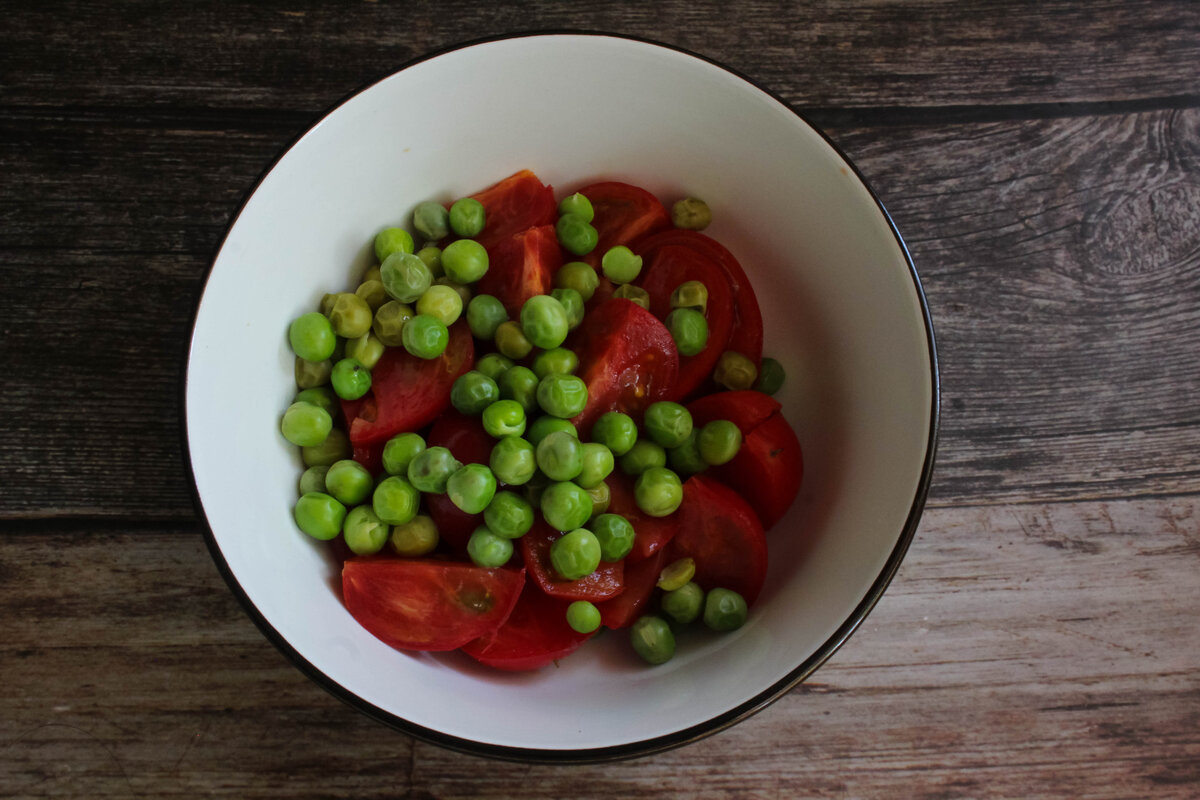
<point>842,308</point>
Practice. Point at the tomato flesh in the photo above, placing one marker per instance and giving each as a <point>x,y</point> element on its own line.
<point>721,532</point>
<point>535,634</point>
<point>607,581</point>
<point>517,203</point>
<point>622,214</point>
<point>425,604</point>
<point>651,534</point>
<point>640,579</point>
<point>520,267</point>
<point>747,409</point>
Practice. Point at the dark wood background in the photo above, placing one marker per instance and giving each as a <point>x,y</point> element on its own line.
<point>1041,639</point>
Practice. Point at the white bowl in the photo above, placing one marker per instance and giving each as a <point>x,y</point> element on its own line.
<point>843,308</point>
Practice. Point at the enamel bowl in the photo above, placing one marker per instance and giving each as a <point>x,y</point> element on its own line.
<point>843,308</point>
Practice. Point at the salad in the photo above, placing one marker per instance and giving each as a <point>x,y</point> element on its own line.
<point>551,418</point>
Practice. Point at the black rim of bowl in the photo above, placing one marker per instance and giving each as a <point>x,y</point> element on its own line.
<point>658,743</point>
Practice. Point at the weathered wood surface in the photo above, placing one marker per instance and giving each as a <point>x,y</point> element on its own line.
<point>1043,163</point>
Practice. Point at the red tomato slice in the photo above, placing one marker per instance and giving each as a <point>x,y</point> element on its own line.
<point>746,337</point>
<point>521,266</point>
<point>516,203</point>
<point>640,580</point>
<point>422,604</point>
<point>670,266</point>
<point>721,532</point>
<point>767,471</point>
<point>747,409</point>
<point>651,533</point>
<point>607,581</point>
<point>407,393</point>
<point>627,359</point>
<point>464,437</point>
<point>535,635</point>
<point>623,213</point>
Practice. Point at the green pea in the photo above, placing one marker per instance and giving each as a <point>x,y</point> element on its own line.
<point>464,291</point>
<point>576,234</point>
<point>488,550</point>
<point>634,294</point>
<point>652,639</point>
<point>472,392</point>
<point>465,261</point>
<point>432,256</point>
<point>350,316</point>
<point>575,555</point>
<point>312,373</point>
<point>601,498</point>
<point>724,610</point>
<point>417,537</point>
<point>667,423</point>
<point>572,303</point>
<point>305,424</point>
<point>691,213</point>
<point>578,205</point>
<point>690,294</point>
<point>560,456</point>
<point>431,468</point>
<point>543,426</point>
<point>494,366</point>
<point>425,337</point>
<point>719,441</point>
<point>685,458</point>
<point>405,277</point>
<point>562,396</point>
<point>467,217</point>
<point>520,384</point>
<point>372,293</point>
<point>770,376</point>
<point>513,460</point>
<point>395,500</point>
<point>642,456</point>
<point>388,324</point>
<point>504,418</point>
<point>431,220</point>
<point>559,361</point>
<point>319,515</point>
<point>312,337</point>
<point>578,275</point>
<point>366,350</point>
<point>620,265</point>
<point>616,431</point>
<point>350,379</point>
<point>335,447</point>
<point>392,240</point>
<point>597,465</point>
<point>484,314</point>
<point>676,574</point>
<point>544,321</point>
<point>508,515</point>
<point>313,480</point>
<point>615,534</point>
<point>734,371</point>
<point>471,488</point>
<point>511,340</point>
<point>349,482</point>
<point>322,396</point>
<point>399,452</point>
<point>658,492</point>
<point>684,604</point>
<point>565,506</point>
<point>442,303</point>
<point>365,533</point>
<point>583,616</point>
<point>689,329</point>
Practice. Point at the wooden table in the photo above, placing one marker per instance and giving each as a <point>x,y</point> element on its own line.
<point>1041,640</point>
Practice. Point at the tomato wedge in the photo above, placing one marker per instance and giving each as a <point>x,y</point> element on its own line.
<point>516,203</point>
<point>623,213</point>
<point>607,581</point>
<point>464,437</point>
<point>521,266</point>
<point>746,337</point>
<point>627,359</point>
<point>721,532</point>
<point>407,393</point>
<point>535,635</point>
<point>640,579</point>
<point>670,266</point>
<point>427,604</point>
<point>747,409</point>
<point>651,533</point>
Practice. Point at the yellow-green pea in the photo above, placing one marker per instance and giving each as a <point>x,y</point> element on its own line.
<point>734,371</point>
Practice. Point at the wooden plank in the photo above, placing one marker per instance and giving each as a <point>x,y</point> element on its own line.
<point>861,54</point>
<point>1023,651</point>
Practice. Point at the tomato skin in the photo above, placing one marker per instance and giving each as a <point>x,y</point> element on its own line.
<point>426,604</point>
<point>721,532</point>
<point>521,266</point>
<point>641,577</point>
<point>651,533</point>
<point>747,409</point>
<point>627,359</point>
<point>407,393</point>
<point>623,213</point>
<point>518,202</point>
<point>670,266</point>
<point>464,437</point>
<point>535,635</point>
<point>607,581</point>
